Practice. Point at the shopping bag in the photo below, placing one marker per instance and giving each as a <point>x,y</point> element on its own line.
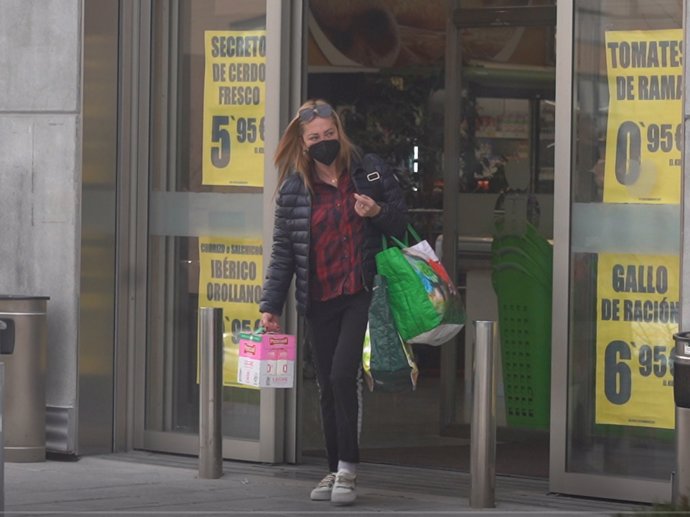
<point>424,301</point>
<point>387,360</point>
<point>266,360</point>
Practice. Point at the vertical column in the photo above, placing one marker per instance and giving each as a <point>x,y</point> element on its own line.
<point>680,488</point>
<point>210,392</point>
<point>451,180</point>
<point>2,439</point>
<point>483,432</point>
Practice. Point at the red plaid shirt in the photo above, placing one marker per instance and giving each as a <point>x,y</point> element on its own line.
<point>336,241</point>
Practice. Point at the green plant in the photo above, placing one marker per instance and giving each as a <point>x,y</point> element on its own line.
<point>391,116</point>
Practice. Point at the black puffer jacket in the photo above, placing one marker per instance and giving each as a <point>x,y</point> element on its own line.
<point>290,252</point>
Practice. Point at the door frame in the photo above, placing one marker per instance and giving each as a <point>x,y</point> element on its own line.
<point>278,410</point>
<point>560,480</point>
<point>466,18</point>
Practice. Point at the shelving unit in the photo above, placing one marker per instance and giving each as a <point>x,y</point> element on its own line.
<point>517,134</point>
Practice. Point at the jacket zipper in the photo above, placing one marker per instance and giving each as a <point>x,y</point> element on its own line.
<point>361,259</point>
<point>307,297</point>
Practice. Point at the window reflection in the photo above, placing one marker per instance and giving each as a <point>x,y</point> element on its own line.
<point>183,209</point>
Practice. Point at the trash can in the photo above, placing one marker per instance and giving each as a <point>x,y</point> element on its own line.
<point>23,349</point>
<point>681,396</point>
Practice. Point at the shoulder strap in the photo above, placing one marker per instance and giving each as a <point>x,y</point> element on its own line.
<point>405,242</point>
<point>370,165</point>
<point>372,174</point>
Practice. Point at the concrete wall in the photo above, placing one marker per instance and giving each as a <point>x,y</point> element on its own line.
<point>40,180</point>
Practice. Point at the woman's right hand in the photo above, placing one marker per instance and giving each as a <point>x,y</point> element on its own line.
<point>270,322</point>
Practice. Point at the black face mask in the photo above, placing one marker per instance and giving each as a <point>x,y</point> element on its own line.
<point>325,151</point>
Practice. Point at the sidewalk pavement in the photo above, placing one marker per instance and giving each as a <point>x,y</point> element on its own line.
<point>148,484</point>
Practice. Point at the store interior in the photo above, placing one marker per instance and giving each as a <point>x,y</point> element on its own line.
<point>382,65</point>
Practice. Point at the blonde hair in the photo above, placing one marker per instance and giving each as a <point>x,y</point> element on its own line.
<point>290,154</point>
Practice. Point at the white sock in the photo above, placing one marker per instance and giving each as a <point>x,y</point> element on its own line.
<point>350,468</point>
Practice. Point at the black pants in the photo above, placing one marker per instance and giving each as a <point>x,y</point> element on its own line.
<point>336,331</point>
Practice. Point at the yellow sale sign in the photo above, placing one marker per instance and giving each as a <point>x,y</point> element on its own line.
<point>234,108</point>
<point>230,278</point>
<point>637,315</point>
<point>644,128</point>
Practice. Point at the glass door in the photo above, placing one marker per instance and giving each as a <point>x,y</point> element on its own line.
<point>397,93</point>
<point>205,212</point>
<point>505,220</point>
<point>616,299</point>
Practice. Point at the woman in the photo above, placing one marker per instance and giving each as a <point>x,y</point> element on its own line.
<point>331,211</point>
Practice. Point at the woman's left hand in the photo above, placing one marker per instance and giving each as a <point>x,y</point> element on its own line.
<point>365,206</point>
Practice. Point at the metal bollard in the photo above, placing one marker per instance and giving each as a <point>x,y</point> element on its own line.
<point>210,392</point>
<point>483,432</point>
<point>680,486</point>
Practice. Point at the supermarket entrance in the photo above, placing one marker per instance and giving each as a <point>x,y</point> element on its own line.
<point>393,96</point>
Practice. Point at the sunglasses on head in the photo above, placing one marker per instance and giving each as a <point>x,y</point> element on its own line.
<point>308,114</point>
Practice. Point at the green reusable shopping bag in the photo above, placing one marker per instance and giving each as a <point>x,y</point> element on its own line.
<point>387,361</point>
<point>425,304</point>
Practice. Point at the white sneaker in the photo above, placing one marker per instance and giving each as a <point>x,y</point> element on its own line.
<point>323,490</point>
<point>344,488</point>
